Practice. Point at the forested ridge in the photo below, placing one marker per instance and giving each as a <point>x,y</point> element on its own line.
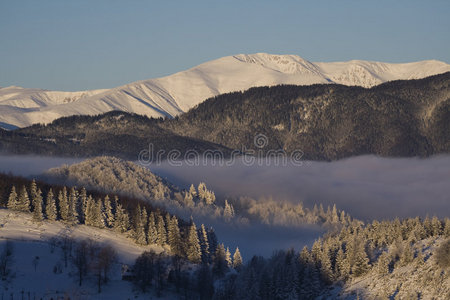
<point>324,122</point>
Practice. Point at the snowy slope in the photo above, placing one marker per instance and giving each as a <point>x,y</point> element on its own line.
<point>31,239</point>
<point>177,93</point>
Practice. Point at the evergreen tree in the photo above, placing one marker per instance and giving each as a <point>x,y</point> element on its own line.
<point>212,239</point>
<point>361,264</point>
<point>447,227</point>
<point>50,206</point>
<point>63,205</point>
<point>220,263</point>
<point>188,199</point>
<point>194,251</point>
<point>174,236</point>
<point>109,216</point>
<point>37,204</point>
<point>152,233</point>
<point>382,265</point>
<point>192,191</point>
<point>162,233</point>
<point>72,213</point>
<point>228,258</point>
<point>237,260</point>
<point>13,199</point>
<point>82,206</point>
<point>228,212</point>
<point>334,215</point>
<point>23,202</point>
<point>98,214</point>
<point>204,244</point>
<point>121,221</point>
<point>342,265</point>
<point>139,233</point>
<point>89,218</point>
<point>33,192</point>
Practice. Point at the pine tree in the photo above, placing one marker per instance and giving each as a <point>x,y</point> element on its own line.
<point>174,236</point>
<point>98,214</point>
<point>63,205</point>
<point>220,263</point>
<point>152,233</point>
<point>37,204</point>
<point>436,226</point>
<point>361,264</point>
<point>33,191</point>
<point>342,265</point>
<point>72,214</point>
<point>82,206</point>
<point>228,258</point>
<point>194,251</point>
<point>192,191</point>
<point>13,199</point>
<point>334,215</point>
<point>121,219</point>
<point>228,212</point>
<point>204,244</point>
<point>139,233</point>
<point>89,218</point>
<point>237,259</point>
<point>188,199</point>
<point>162,233</point>
<point>23,202</point>
<point>382,265</point>
<point>109,216</point>
<point>212,239</point>
<point>50,206</point>
<point>447,227</point>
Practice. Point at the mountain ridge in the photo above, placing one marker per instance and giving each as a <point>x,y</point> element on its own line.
<point>175,94</point>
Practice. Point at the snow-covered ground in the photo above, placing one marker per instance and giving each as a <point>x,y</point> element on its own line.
<point>31,240</point>
<point>177,93</point>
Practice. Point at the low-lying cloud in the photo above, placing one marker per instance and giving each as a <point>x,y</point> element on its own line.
<point>368,187</point>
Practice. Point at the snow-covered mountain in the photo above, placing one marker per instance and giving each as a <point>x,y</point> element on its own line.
<point>177,93</point>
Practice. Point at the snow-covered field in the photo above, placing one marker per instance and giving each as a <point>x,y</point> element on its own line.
<point>177,93</point>
<point>31,240</point>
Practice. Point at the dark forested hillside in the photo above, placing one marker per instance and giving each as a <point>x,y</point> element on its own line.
<point>325,122</point>
<point>401,118</point>
<point>115,133</point>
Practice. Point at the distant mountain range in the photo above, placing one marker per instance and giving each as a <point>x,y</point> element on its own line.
<point>325,122</point>
<point>172,95</point>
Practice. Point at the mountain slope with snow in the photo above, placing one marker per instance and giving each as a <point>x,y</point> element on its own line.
<point>172,95</point>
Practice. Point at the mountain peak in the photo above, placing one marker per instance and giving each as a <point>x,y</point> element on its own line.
<point>284,63</point>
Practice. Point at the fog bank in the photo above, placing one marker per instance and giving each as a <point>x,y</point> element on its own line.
<point>368,187</point>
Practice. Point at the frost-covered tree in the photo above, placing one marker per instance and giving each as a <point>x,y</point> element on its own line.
<point>121,219</point>
<point>98,213</point>
<point>63,205</point>
<point>138,226</point>
<point>72,215</point>
<point>13,199</point>
<point>37,206</point>
<point>24,201</point>
<point>382,265</point>
<point>361,263</point>
<point>174,236</point>
<point>228,258</point>
<point>82,205</point>
<point>237,259</point>
<point>162,233</point>
<point>204,244</point>
<point>342,265</point>
<point>89,218</point>
<point>109,216</point>
<point>194,251</point>
<point>192,191</point>
<point>152,233</point>
<point>220,263</point>
<point>50,206</point>
<point>228,212</point>
<point>33,191</point>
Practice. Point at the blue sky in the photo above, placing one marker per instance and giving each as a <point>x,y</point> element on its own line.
<point>75,45</point>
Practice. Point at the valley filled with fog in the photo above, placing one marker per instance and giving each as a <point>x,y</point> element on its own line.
<point>365,187</point>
